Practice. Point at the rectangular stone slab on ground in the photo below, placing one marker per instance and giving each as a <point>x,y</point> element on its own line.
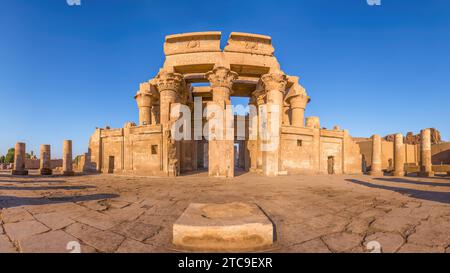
<point>223,227</point>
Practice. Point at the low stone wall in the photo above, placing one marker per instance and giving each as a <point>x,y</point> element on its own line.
<point>441,168</point>
<point>4,166</point>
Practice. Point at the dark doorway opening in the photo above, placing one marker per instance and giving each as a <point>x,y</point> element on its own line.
<point>331,165</point>
<point>111,164</point>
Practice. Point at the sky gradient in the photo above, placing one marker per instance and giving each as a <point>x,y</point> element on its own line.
<point>66,69</point>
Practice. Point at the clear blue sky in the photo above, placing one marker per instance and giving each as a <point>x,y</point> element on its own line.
<point>65,70</point>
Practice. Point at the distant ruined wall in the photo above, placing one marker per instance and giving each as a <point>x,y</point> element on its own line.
<point>414,139</point>
<point>412,153</point>
<point>440,153</point>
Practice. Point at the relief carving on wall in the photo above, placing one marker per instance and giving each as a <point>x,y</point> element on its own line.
<point>193,44</point>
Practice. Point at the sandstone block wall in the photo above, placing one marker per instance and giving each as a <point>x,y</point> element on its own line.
<point>33,164</point>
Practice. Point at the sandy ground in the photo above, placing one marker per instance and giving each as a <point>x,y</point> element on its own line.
<point>109,213</point>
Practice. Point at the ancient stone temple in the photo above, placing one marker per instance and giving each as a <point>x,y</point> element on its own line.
<point>198,74</point>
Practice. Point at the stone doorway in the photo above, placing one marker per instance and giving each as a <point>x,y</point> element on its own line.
<point>111,164</point>
<point>330,163</point>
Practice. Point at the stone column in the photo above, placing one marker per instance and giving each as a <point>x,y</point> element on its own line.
<point>260,101</point>
<point>45,162</point>
<point>298,106</point>
<point>155,113</point>
<point>252,142</point>
<point>221,151</point>
<point>19,159</point>
<point>274,86</point>
<point>144,101</point>
<point>168,85</point>
<point>67,158</point>
<point>376,169</point>
<point>399,156</point>
<point>426,169</point>
<point>286,115</point>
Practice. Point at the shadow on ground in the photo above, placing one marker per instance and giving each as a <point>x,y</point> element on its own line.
<point>33,182</point>
<point>14,201</point>
<point>441,197</point>
<point>404,180</point>
<point>44,188</point>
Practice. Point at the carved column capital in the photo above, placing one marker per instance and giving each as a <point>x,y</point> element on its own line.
<point>299,101</point>
<point>274,81</point>
<point>221,77</point>
<point>143,99</point>
<point>146,95</point>
<point>259,97</point>
<point>168,81</point>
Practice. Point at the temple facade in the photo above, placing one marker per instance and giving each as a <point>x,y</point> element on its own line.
<point>197,73</point>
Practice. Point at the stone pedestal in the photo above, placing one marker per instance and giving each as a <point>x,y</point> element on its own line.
<point>223,227</point>
<point>399,156</point>
<point>19,159</point>
<point>426,169</point>
<point>274,86</point>
<point>45,162</point>
<point>221,149</point>
<point>376,168</point>
<point>67,158</point>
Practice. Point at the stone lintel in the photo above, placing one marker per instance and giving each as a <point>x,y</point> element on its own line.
<point>192,42</point>
<point>202,91</point>
<point>250,43</point>
<point>244,64</point>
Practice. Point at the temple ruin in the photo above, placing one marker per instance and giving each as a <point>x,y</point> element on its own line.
<point>270,135</point>
<point>196,67</point>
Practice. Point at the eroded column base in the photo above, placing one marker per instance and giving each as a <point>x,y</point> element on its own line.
<point>45,172</point>
<point>68,173</point>
<point>16,172</point>
<point>426,174</point>
<point>376,173</point>
<point>398,173</point>
<point>221,158</point>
